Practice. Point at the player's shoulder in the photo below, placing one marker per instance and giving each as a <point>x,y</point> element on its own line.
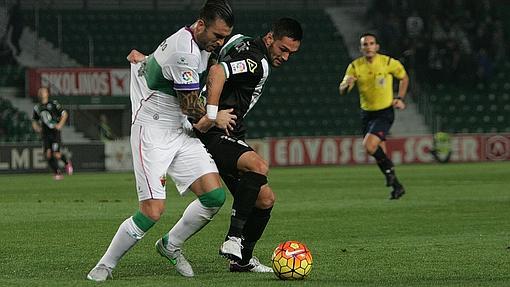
<point>182,41</point>
<point>235,45</point>
<point>37,107</point>
<point>55,103</point>
<point>358,61</point>
<point>387,60</point>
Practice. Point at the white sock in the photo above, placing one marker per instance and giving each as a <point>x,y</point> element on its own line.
<point>194,218</point>
<point>125,238</point>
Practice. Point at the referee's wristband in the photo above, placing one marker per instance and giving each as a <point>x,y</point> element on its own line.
<point>399,98</point>
<point>212,112</point>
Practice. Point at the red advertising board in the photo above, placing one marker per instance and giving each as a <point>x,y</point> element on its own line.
<point>79,81</point>
<point>413,149</point>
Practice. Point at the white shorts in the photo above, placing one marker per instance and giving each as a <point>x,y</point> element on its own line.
<point>158,151</point>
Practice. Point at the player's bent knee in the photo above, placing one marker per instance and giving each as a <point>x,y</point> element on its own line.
<point>266,198</point>
<point>152,209</point>
<point>213,198</point>
<point>370,148</point>
<point>261,167</point>
<point>251,161</point>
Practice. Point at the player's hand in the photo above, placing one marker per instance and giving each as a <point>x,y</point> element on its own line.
<point>350,81</point>
<point>135,57</point>
<point>204,124</point>
<point>226,120</point>
<point>348,84</point>
<point>399,104</point>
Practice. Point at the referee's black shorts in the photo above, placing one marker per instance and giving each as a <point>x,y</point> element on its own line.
<point>378,122</point>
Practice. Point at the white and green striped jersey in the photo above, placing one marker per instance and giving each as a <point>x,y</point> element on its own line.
<point>174,66</point>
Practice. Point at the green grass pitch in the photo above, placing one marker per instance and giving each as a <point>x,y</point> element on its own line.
<point>452,228</point>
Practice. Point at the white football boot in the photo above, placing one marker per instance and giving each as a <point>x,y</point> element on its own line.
<point>176,258</point>
<point>231,249</point>
<point>100,273</point>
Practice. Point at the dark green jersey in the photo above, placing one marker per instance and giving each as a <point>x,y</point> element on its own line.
<point>48,115</point>
<point>245,62</point>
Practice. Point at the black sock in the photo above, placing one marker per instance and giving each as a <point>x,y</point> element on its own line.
<point>53,164</point>
<point>64,158</point>
<point>253,229</point>
<point>244,201</point>
<point>384,163</point>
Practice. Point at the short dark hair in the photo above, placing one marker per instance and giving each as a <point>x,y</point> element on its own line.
<point>214,9</point>
<point>368,34</point>
<point>287,27</point>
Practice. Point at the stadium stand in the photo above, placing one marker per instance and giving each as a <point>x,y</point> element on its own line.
<point>16,125</point>
<point>458,54</point>
<point>300,99</point>
<point>457,60</point>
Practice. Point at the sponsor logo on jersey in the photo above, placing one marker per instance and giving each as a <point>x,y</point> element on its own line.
<point>182,61</point>
<point>187,77</point>
<point>239,67</point>
<point>252,65</point>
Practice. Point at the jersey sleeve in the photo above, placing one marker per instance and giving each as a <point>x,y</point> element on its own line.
<point>182,69</point>
<point>397,69</point>
<point>349,72</point>
<point>244,66</point>
<point>59,108</point>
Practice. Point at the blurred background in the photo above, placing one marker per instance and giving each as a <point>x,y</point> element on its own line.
<point>455,52</point>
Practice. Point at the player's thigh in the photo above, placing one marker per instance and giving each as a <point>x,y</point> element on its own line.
<point>251,161</point>
<point>151,158</point>
<point>205,183</point>
<point>380,127</point>
<point>190,164</point>
<point>371,142</point>
<point>226,152</point>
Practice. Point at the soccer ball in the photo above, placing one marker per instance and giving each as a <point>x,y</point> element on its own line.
<point>292,260</point>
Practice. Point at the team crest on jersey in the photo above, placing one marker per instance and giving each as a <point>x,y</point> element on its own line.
<point>252,65</point>
<point>239,67</point>
<point>162,179</point>
<point>187,77</point>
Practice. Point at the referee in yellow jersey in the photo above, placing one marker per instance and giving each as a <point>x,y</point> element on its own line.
<point>373,73</point>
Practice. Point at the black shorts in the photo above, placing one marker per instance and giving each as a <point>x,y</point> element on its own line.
<point>226,151</point>
<point>378,122</point>
<point>52,141</point>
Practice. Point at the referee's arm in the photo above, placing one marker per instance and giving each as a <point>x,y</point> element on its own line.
<point>347,84</point>
<point>398,102</point>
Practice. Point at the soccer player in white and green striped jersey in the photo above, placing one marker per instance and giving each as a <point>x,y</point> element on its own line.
<point>164,94</point>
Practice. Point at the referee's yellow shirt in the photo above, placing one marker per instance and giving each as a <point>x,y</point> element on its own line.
<point>375,80</point>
